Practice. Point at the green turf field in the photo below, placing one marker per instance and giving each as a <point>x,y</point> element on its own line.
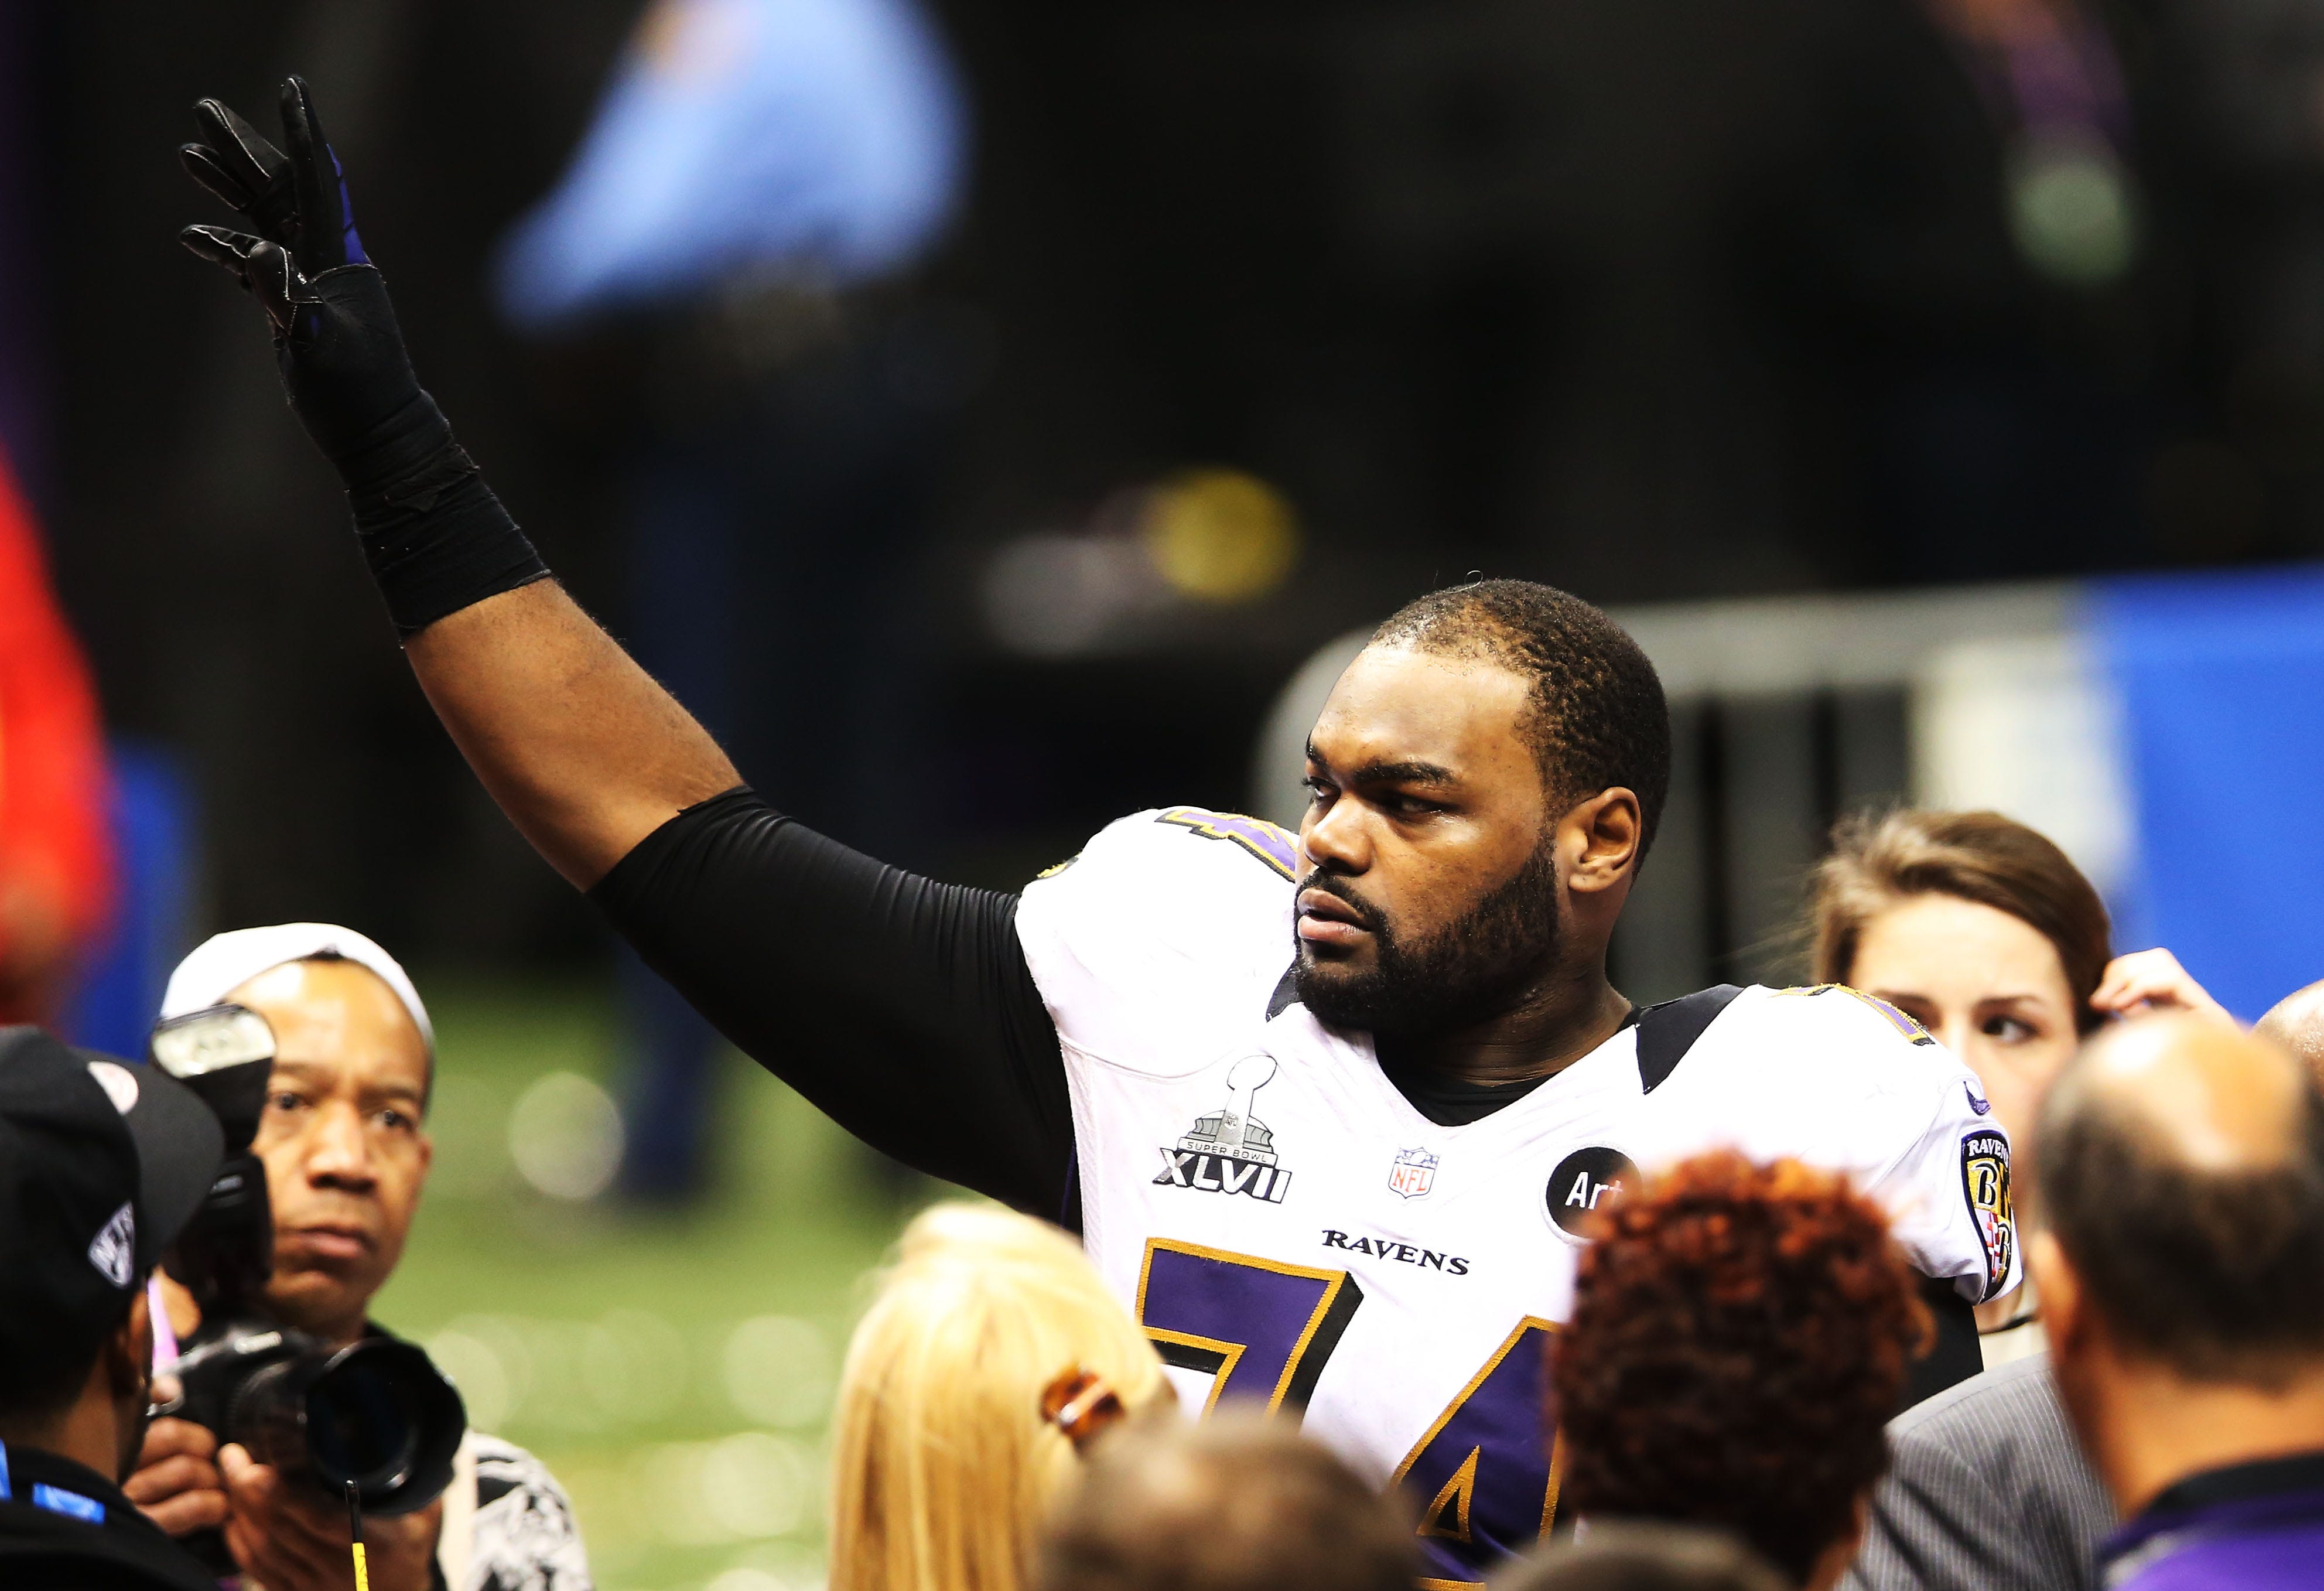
<point>674,1370</point>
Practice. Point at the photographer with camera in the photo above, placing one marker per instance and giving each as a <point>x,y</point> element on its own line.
<point>101,1163</point>
<point>342,1137</point>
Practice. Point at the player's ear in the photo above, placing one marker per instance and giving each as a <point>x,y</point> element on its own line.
<point>1598,838</point>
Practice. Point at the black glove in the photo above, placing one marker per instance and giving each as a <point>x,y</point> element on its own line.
<point>436,537</point>
<point>298,200</point>
<point>336,340</point>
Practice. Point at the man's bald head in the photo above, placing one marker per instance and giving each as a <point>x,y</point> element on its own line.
<point>2296,1021</point>
<point>2201,1095</point>
<point>2182,1169</point>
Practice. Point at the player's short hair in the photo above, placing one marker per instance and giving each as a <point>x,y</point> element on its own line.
<point>943,1464</point>
<point>1234,1503</point>
<point>1629,1556</point>
<point>1879,859</point>
<point>1598,718</point>
<point>1740,1337</point>
<point>2217,1274</point>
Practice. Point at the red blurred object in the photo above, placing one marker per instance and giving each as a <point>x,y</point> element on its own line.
<point>55,852</point>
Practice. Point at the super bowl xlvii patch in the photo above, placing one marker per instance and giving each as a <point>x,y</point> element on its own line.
<point>1985,1183</point>
<point>1230,1150</point>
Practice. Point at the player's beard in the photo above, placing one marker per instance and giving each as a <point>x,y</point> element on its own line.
<point>1472,971</point>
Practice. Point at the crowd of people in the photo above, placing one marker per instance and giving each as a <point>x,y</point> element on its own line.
<point>1723,1398</point>
<point>1458,1267</point>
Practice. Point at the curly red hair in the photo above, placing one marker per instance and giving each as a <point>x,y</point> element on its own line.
<point>1740,1337</point>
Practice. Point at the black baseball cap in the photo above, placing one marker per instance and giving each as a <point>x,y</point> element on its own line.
<point>102,1161</point>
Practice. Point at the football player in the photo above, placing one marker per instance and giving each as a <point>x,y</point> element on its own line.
<point>1332,1112</point>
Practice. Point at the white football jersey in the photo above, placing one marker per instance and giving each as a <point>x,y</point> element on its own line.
<point>1289,1228</point>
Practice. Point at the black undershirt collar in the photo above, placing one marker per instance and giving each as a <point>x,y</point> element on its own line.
<point>1455,1102</point>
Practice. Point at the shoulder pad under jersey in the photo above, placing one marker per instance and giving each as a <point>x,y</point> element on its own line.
<point>1162,941</point>
<point>1847,1081</point>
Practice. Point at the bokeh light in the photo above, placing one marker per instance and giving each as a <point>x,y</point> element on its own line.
<point>1054,596</point>
<point>566,1136</point>
<point>2071,212</point>
<point>745,1488</point>
<point>1220,535</point>
<point>478,1372</point>
<point>1202,538</point>
<point>779,1371</point>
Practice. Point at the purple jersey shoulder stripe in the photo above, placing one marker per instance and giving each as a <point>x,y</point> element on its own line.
<point>1275,847</point>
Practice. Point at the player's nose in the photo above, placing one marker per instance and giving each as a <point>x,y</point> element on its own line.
<point>1338,839</point>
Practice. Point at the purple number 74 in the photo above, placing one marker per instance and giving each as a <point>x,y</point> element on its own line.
<point>1263,1329</point>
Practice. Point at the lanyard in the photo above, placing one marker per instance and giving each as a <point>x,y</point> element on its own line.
<point>55,1499</point>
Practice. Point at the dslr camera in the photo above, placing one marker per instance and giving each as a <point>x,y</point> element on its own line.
<point>377,1415</point>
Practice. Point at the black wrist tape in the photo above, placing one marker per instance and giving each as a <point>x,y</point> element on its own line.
<point>437,539</point>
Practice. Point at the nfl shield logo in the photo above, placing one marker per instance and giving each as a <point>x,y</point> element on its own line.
<point>1414,1173</point>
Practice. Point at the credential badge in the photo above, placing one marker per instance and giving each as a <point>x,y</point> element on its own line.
<point>1413,1174</point>
<point>1230,1150</point>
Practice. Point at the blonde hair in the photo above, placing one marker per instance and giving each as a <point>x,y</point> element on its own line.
<point>943,1465</point>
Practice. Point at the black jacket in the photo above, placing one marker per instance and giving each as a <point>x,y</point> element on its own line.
<point>65,1528</point>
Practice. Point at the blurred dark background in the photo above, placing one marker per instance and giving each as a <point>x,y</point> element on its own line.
<point>1651,298</point>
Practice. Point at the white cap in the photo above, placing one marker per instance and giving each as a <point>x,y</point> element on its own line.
<point>225,962</point>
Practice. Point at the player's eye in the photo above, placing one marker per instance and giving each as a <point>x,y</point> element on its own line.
<point>2008,1030</point>
<point>283,1099</point>
<point>1410,806</point>
<point>1318,788</point>
<point>395,1121</point>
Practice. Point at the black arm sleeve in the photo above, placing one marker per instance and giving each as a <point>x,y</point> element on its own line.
<point>902,1008</point>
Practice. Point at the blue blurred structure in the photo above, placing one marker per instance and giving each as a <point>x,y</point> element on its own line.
<point>2221,679</point>
<point>760,183</point>
<point>819,136</point>
<point>152,820</point>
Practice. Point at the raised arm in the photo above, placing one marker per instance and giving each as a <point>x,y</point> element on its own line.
<point>904,1008</point>
<point>583,751</point>
<point>586,754</point>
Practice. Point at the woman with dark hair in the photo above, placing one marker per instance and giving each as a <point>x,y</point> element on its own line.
<point>1981,930</point>
<point>1740,1337</point>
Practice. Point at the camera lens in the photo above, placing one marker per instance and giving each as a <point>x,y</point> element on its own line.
<point>379,1415</point>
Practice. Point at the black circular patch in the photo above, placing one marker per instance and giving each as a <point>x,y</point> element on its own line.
<point>1581,1180</point>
